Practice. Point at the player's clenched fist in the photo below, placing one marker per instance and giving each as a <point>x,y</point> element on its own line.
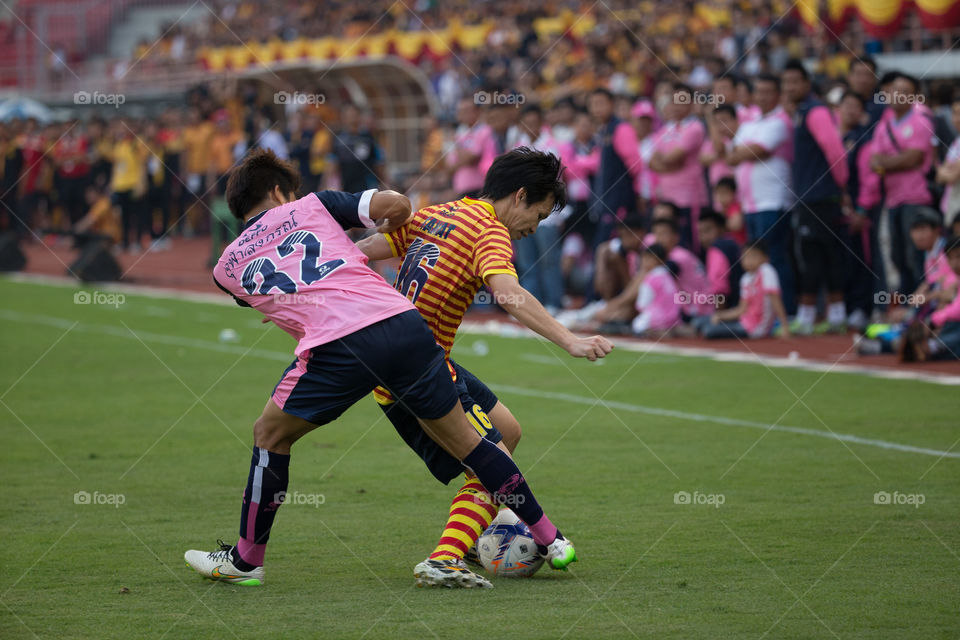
<point>389,209</point>
<point>590,348</point>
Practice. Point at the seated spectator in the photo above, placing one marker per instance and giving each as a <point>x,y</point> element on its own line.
<point>725,195</point>
<point>100,224</point>
<point>617,260</point>
<point>942,342</point>
<point>722,260</point>
<point>657,308</point>
<point>691,278</point>
<point>760,301</point>
<point>925,233</point>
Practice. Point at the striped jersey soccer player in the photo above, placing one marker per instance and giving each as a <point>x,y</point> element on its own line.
<point>294,263</point>
<point>449,251</point>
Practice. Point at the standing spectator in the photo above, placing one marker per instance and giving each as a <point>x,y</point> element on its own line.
<point>619,164</point>
<point>321,142</point>
<point>170,138</point>
<point>644,124</point>
<point>862,80</point>
<point>948,173</point>
<point>676,162</point>
<point>860,234</point>
<point>71,157</point>
<point>128,184</point>
<point>721,127</point>
<point>500,118</point>
<point>902,155</point>
<point>464,158</point>
<point>357,156</point>
<point>196,147</point>
<point>819,180</point>
<point>299,139</point>
<point>762,151</point>
<point>33,197</point>
<point>728,205</point>
<point>227,146</point>
<point>581,159</point>
<point>267,136</point>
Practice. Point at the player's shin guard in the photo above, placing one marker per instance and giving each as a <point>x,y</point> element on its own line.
<point>501,477</point>
<point>471,512</point>
<point>266,488</point>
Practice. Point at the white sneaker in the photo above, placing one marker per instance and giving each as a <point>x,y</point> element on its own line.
<point>218,565</point>
<point>448,573</point>
<point>559,554</point>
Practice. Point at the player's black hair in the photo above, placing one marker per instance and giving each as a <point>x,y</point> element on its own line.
<point>769,77</point>
<point>926,217</point>
<point>536,171</point>
<point>727,182</point>
<point>669,222</point>
<point>794,64</point>
<point>758,245</point>
<point>709,215</point>
<point>252,181</point>
<point>727,109</point>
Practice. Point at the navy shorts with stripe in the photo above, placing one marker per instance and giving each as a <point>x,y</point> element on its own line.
<point>399,353</point>
<point>477,400</point>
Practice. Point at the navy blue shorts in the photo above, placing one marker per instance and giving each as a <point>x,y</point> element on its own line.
<point>399,353</point>
<point>477,401</point>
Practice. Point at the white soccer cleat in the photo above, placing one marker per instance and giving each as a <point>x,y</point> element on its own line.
<point>448,573</point>
<point>559,554</point>
<point>218,565</point>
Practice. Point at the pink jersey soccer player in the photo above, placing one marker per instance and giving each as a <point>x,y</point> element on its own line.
<point>354,332</point>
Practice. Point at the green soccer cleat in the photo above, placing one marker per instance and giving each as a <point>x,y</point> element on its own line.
<point>218,565</point>
<point>560,554</point>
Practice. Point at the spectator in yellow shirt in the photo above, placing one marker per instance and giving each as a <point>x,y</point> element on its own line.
<point>128,184</point>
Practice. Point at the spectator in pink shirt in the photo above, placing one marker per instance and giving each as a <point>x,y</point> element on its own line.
<point>760,302</point>
<point>471,139</point>
<point>675,160</point>
<point>581,158</point>
<point>721,127</point>
<point>902,155</point>
<point>921,342</point>
<point>657,305</point>
<point>722,259</point>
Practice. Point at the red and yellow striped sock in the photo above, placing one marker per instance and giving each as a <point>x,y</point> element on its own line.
<point>471,513</point>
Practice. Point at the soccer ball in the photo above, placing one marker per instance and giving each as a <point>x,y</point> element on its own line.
<point>507,548</point>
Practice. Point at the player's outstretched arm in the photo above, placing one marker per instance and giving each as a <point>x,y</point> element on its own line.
<point>389,209</point>
<point>376,247</point>
<point>520,304</point>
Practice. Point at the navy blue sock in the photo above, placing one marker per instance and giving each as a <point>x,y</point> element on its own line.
<point>501,477</point>
<point>266,489</point>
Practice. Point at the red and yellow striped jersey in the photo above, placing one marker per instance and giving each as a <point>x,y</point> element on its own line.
<point>448,251</point>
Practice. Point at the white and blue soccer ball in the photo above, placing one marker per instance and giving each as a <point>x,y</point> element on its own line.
<point>507,548</point>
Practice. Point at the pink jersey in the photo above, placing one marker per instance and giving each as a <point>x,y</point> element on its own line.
<point>692,282</point>
<point>870,193</point>
<point>295,265</point>
<point>718,266</point>
<point>936,269</point>
<point>684,187</point>
<point>758,317</point>
<point>892,136</point>
<point>474,139</point>
<point>949,313</point>
<point>748,113</point>
<point>718,168</point>
<point>657,302</point>
<point>951,192</point>
<point>580,163</point>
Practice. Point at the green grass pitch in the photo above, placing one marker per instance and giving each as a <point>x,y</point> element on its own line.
<point>140,403</point>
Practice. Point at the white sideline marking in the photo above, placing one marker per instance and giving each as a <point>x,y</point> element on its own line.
<point>281,356</point>
<point>510,330</point>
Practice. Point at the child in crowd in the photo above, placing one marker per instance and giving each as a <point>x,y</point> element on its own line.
<point>657,307</point>
<point>721,258</point>
<point>725,195</point>
<point>942,342</point>
<point>760,302</point>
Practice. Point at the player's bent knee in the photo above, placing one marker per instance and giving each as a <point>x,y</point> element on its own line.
<point>507,425</point>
